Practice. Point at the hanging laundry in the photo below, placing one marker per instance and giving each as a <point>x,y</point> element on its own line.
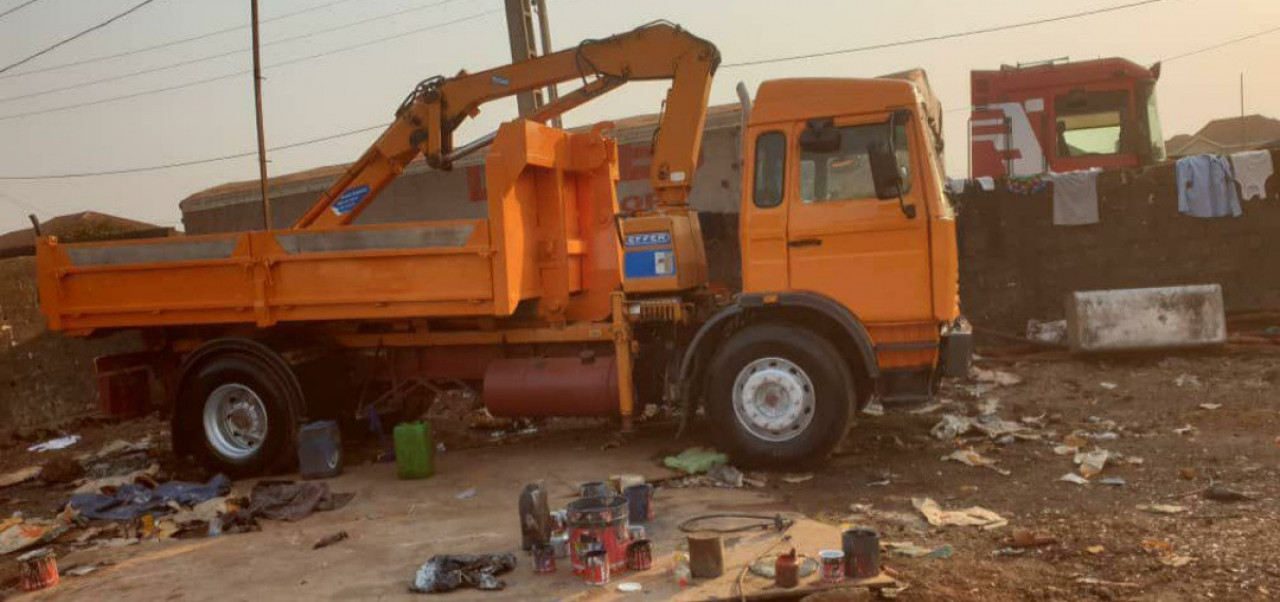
<point>1206,187</point>
<point>987,183</point>
<point>1252,169</point>
<point>1027,185</point>
<point>1075,198</point>
<point>956,185</point>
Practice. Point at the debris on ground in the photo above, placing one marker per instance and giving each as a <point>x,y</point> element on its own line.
<point>630,587</point>
<point>1162,508</point>
<point>80,570</point>
<point>950,427</point>
<point>55,444</point>
<point>864,513</point>
<point>988,406</point>
<point>60,470</point>
<point>973,516</point>
<point>1187,380</point>
<point>1210,406</point>
<point>132,501</point>
<point>19,476</point>
<point>1051,332</point>
<point>330,540</point>
<point>970,457</point>
<point>1110,386</point>
<point>1104,583</point>
<point>1185,430</point>
<point>1218,493</point>
<point>1113,482</point>
<point>448,572</point>
<point>928,408</point>
<point>1026,538</point>
<point>1092,463</point>
<point>874,408</point>
<point>998,377</point>
<point>466,494</point>
<point>1163,551</point>
<point>695,460</point>
<point>726,476</point>
<point>1095,550</point>
<point>1072,477</point>
<point>22,534</point>
<point>911,550</point>
<point>797,478</point>
<point>292,501</point>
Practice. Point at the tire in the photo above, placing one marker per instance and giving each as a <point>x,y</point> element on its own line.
<point>771,362</point>
<point>237,412</point>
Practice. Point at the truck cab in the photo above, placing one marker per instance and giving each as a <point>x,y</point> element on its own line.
<point>1064,116</point>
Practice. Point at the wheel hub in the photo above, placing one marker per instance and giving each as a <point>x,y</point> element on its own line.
<point>773,399</point>
<point>235,420</point>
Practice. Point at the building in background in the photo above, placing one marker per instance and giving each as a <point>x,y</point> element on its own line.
<point>80,227</point>
<point>1227,135</point>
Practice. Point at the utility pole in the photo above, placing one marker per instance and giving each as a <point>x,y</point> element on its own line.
<point>524,46</point>
<point>1242,109</point>
<point>267,224</point>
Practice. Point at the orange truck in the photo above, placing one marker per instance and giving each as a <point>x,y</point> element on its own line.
<point>557,304</point>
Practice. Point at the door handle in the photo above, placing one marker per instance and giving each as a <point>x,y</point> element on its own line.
<point>805,242</point>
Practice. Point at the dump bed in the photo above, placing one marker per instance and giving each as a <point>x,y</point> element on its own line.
<point>549,236</point>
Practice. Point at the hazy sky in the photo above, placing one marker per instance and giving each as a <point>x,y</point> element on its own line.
<point>361,87</point>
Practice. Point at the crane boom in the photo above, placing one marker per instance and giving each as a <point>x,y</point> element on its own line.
<point>426,120</point>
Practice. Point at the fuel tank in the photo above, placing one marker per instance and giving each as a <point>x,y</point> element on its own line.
<point>553,386</point>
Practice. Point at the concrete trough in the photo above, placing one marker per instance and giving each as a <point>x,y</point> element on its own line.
<point>1170,317</point>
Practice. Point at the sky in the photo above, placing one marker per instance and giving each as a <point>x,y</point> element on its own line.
<point>365,69</point>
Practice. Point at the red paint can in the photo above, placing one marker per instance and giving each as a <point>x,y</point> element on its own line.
<point>639,555</point>
<point>596,571</point>
<point>39,570</point>
<point>598,523</point>
<point>544,558</point>
<point>832,562</point>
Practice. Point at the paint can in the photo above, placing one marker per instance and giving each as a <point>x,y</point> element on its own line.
<point>544,558</point>
<point>596,568</point>
<point>559,521</point>
<point>786,570</point>
<point>620,482</point>
<point>560,544</point>
<point>832,563</point>
<point>637,532</point>
<point>601,522</point>
<point>594,490</point>
<point>639,502</point>
<point>39,570</point>
<point>640,555</point>
<point>861,553</point>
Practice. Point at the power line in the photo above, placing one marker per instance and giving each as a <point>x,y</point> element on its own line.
<point>239,73</point>
<point>948,36</point>
<point>169,43</point>
<point>81,85</point>
<point>18,8</point>
<point>113,172</point>
<point>1223,44</point>
<point>81,34</point>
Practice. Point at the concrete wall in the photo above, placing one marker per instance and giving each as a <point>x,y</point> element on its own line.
<point>1016,265</point>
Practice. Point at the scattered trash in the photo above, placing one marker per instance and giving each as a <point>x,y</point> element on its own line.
<point>926,409</point>
<point>330,540</point>
<point>1108,385</point>
<point>1053,332</point>
<point>1096,581</point>
<point>21,534</point>
<point>974,516</point>
<point>19,476</point>
<point>874,408</point>
<point>726,475</point>
<point>1026,538</point>
<point>999,377</point>
<point>1133,460</point>
<point>1162,508</point>
<point>988,406</point>
<point>1103,436</point>
<point>1093,462</point>
<point>1113,482</point>
<point>446,573</point>
<point>950,427</point>
<point>1218,493</point>
<point>79,570</point>
<point>1187,473</point>
<point>970,457</point>
<point>995,427</point>
<point>1072,477</point>
<point>145,476</point>
<point>695,460</point>
<point>1186,430</point>
<point>1035,421</point>
<point>863,513</point>
<point>1095,550</point>
<point>1187,380</point>
<point>39,569</point>
<point>132,501</point>
<point>292,501</point>
<point>1163,551</point>
<point>911,550</point>
<point>60,470</point>
<point>1064,450</point>
<point>1009,552</point>
<point>1006,440</point>
<point>55,444</point>
<point>466,494</point>
<point>1210,406</point>
<point>797,478</point>
<point>629,587</point>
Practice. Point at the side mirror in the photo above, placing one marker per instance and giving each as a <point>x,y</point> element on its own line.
<point>884,170</point>
<point>820,136</point>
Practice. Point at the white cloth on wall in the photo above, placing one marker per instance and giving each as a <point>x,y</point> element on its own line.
<point>987,183</point>
<point>1075,198</point>
<point>1252,170</point>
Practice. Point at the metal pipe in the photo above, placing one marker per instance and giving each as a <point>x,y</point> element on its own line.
<point>471,147</point>
<point>257,101</point>
<point>544,33</point>
<point>744,102</point>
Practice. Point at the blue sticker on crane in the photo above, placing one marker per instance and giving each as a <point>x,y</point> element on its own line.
<point>649,239</point>
<point>498,80</point>
<point>349,199</point>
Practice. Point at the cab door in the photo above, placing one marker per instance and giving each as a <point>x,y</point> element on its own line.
<point>847,244</point>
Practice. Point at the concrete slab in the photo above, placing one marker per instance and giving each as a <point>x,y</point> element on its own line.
<point>395,526</point>
<point>1146,318</point>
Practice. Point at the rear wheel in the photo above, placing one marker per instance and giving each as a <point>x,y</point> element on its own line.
<point>237,412</point>
<point>779,395</point>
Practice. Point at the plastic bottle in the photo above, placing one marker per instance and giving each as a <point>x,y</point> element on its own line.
<point>681,569</point>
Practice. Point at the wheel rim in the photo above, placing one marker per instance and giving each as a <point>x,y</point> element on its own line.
<point>235,421</point>
<point>773,399</point>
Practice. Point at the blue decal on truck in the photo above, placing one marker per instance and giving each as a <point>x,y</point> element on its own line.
<point>657,263</point>
<point>349,199</point>
<point>648,239</point>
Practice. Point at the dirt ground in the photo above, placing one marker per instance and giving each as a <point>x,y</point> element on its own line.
<point>1105,547</point>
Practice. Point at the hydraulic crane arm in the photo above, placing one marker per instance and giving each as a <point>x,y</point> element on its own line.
<point>427,119</point>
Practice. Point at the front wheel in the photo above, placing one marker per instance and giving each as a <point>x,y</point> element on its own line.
<point>778,395</point>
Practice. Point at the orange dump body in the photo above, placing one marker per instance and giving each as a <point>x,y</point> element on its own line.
<point>550,236</point>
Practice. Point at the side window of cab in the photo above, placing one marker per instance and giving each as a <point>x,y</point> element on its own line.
<point>844,173</point>
<point>769,180</point>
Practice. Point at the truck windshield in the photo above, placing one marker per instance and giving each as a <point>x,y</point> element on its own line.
<point>1090,123</point>
<point>845,174</point>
